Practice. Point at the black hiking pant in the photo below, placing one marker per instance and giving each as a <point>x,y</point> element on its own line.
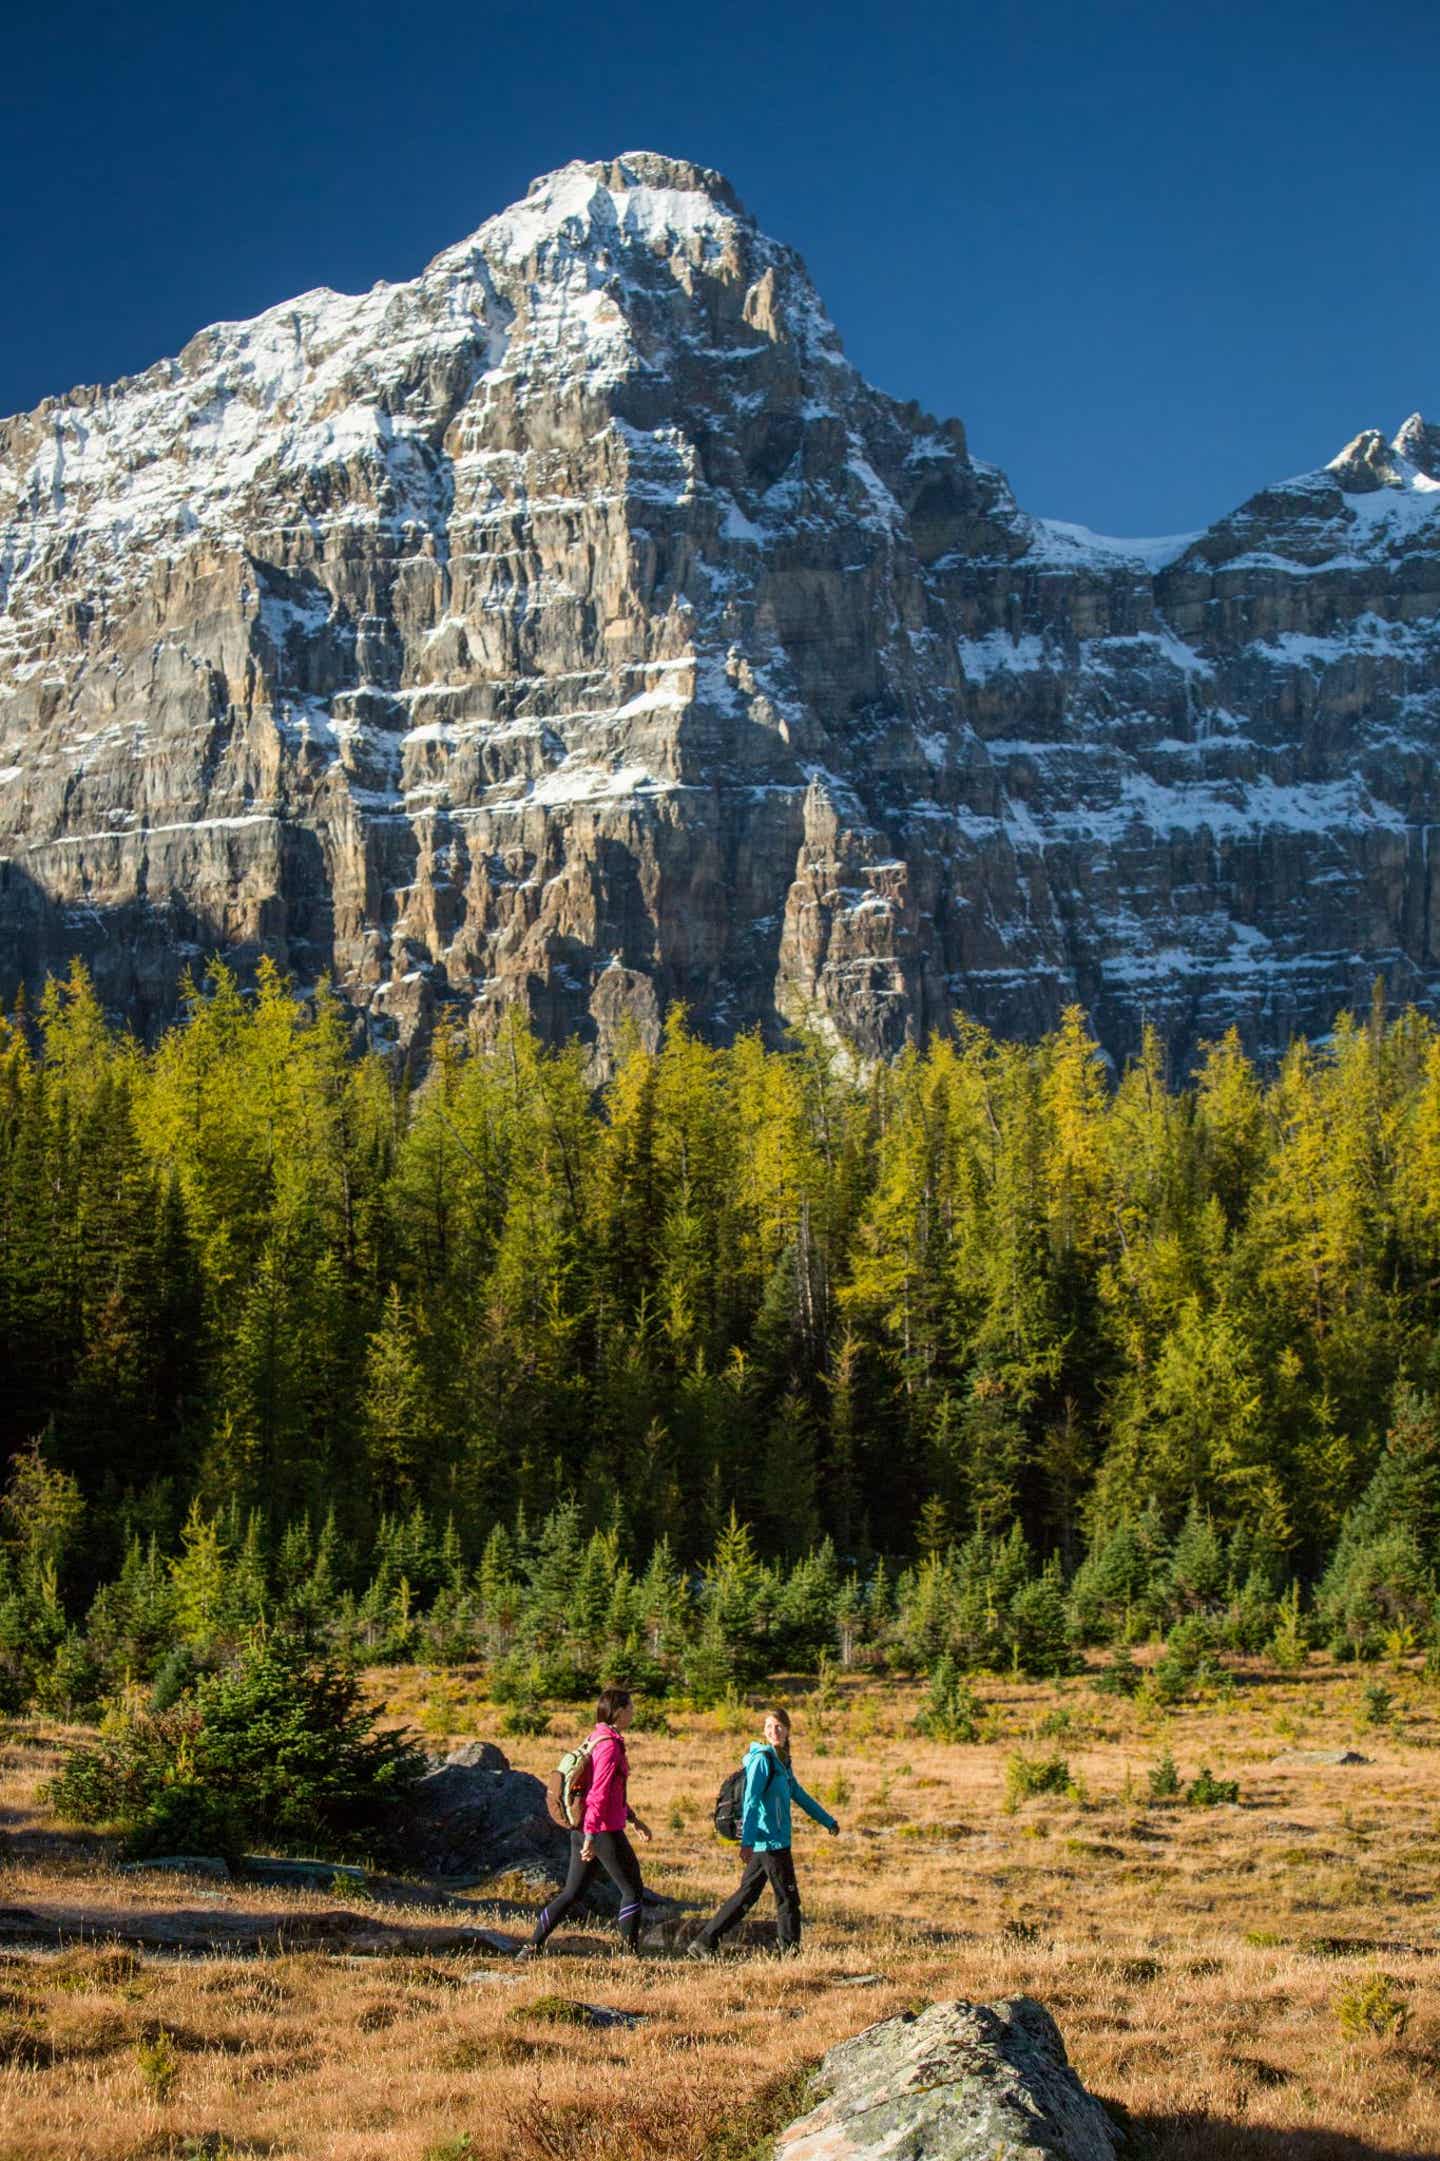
<point>778,1870</point>
<point>615,1854</point>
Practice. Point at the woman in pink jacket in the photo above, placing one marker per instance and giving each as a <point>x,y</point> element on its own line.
<point>599,1840</point>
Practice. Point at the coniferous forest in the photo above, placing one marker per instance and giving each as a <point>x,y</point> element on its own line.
<point>742,1362</point>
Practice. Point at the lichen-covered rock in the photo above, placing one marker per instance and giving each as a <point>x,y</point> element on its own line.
<point>572,627</point>
<point>958,2082</point>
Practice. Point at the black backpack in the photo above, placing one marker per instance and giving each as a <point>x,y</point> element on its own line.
<point>730,1805</point>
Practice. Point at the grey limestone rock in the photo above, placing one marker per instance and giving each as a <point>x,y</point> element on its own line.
<point>1321,1755</point>
<point>958,2082</point>
<point>473,1756</point>
<point>571,627</point>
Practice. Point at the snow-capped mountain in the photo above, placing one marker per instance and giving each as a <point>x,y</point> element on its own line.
<point>574,625</point>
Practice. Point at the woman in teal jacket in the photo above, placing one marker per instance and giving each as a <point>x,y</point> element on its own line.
<point>770,1786</point>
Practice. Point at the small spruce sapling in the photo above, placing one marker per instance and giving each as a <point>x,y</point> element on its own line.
<point>952,1710</point>
<point>1379,1704</point>
<point>159,2062</point>
<point>1121,1676</point>
<point>1207,1791</point>
<point>1029,1776</point>
<point>1164,1779</point>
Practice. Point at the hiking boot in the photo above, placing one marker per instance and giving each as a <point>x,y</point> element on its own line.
<point>530,1950</point>
<point>701,1951</point>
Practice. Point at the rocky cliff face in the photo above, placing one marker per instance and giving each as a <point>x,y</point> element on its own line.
<point>573,626</point>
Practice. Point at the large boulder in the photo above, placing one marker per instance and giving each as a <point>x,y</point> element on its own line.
<point>472,1815</point>
<point>959,2082</point>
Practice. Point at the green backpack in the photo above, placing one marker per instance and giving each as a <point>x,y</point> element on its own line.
<point>568,1785</point>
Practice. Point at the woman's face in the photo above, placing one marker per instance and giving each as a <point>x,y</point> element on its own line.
<point>777,1735</point>
<point>622,1717</point>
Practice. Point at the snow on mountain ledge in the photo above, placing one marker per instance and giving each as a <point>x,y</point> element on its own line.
<point>1070,545</point>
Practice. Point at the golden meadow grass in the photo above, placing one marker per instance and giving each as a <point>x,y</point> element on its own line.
<point>1224,1973</point>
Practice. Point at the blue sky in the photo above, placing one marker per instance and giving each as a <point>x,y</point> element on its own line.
<point>1152,264</point>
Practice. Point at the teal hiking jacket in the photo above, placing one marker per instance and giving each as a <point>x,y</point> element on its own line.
<point>765,1814</point>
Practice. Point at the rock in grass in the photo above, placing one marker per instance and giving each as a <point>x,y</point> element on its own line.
<point>473,1815</point>
<point>959,2082</point>
<point>1321,1755</point>
<point>280,1872</point>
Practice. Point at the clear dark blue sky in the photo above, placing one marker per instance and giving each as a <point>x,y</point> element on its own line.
<point>1151,263</point>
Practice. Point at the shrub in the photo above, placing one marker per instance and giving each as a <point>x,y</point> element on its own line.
<point>952,1711</point>
<point>159,2062</point>
<point>1041,1630</point>
<point>1027,1776</point>
<point>1290,1643</point>
<point>1250,1620</point>
<point>1379,1704</point>
<point>709,1670</point>
<point>277,1746</point>
<point>825,1696</point>
<point>529,1681</point>
<point>1164,1779</point>
<point>1207,1791</point>
<point>1371,2006</point>
<point>649,1716</point>
<point>526,1718</point>
<point>72,1685</point>
<point>1121,1677</point>
<point>1380,1578</point>
<point>178,1673</point>
<point>1188,1660</point>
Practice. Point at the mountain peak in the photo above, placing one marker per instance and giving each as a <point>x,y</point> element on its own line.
<point>649,169</point>
<point>1420,443</point>
<point>1366,463</point>
<point>640,199</point>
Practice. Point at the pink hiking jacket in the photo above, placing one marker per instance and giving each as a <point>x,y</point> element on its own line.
<point>606,1808</point>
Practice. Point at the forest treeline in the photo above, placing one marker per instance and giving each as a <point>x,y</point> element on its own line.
<point>401,1356</point>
